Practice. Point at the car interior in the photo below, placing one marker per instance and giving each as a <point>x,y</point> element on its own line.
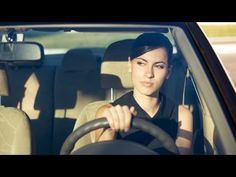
<point>55,94</point>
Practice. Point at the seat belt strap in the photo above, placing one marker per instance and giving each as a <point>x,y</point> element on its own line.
<point>187,74</point>
<point>112,94</point>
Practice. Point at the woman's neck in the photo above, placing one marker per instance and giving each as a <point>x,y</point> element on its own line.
<point>150,104</point>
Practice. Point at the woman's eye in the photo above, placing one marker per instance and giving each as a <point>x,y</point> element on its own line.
<point>140,63</point>
<point>160,66</point>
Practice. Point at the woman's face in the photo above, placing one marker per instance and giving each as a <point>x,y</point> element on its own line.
<point>149,71</point>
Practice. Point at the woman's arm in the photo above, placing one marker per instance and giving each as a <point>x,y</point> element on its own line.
<point>103,134</point>
<point>185,131</point>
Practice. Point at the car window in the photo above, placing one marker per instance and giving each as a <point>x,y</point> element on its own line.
<point>222,36</point>
<point>62,41</point>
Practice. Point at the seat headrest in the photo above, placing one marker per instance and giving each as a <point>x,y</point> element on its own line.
<point>118,51</point>
<point>114,68</point>
<point>4,91</point>
<point>80,60</point>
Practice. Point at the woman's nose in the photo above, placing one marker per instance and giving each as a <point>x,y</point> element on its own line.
<point>149,72</point>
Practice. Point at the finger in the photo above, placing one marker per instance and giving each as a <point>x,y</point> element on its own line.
<point>121,117</point>
<point>133,111</point>
<point>128,117</point>
<point>108,115</point>
<point>115,118</point>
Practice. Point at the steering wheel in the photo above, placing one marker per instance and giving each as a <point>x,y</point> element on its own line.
<point>117,146</point>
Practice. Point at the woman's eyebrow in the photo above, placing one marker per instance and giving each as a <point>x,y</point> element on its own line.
<point>142,59</point>
<point>154,62</point>
<point>160,62</point>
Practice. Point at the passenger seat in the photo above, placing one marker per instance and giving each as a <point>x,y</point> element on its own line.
<point>31,86</point>
<point>15,128</point>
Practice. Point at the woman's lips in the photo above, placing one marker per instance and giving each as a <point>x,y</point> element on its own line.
<point>146,83</point>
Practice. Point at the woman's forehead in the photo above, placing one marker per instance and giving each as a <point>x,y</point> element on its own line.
<point>155,55</point>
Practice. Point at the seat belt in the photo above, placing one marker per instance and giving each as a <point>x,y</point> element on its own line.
<point>112,94</point>
<point>187,74</point>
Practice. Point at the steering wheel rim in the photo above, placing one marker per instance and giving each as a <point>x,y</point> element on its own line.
<point>141,124</point>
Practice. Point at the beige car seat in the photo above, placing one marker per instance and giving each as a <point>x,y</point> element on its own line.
<point>115,79</point>
<point>15,129</point>
<point>77,83</point>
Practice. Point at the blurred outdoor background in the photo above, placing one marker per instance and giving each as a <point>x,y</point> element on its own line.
<point>222,36</point>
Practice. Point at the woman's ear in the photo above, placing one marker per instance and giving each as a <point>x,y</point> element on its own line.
<point>129,65</point>
<point>169,72</point>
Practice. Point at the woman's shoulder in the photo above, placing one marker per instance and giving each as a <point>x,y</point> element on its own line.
<point>168,108</point>
<point>125,99</point>
<point>184,111</point>
<point>172,103</point>
<point>167,100</point>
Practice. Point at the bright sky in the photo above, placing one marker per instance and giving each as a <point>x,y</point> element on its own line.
<point>217,23</point>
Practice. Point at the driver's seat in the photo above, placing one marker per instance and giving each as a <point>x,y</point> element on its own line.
<point>115,79</point>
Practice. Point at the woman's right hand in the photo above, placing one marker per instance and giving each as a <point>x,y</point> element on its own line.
<point>119,117</point>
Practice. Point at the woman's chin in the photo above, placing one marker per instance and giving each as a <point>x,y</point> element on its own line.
<point>149,92</point>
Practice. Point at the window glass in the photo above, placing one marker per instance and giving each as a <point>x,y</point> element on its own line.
<point>222,36</point>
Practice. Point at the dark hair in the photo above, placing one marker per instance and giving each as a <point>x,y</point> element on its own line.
<point>150,41</point>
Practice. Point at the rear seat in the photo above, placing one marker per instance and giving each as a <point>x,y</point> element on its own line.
<point>32,91</point>
<point>77,83</point>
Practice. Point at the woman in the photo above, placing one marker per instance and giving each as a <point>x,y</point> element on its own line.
<point>149,65</point>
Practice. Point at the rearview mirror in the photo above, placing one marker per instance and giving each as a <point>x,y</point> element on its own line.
<point>21,51</point>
